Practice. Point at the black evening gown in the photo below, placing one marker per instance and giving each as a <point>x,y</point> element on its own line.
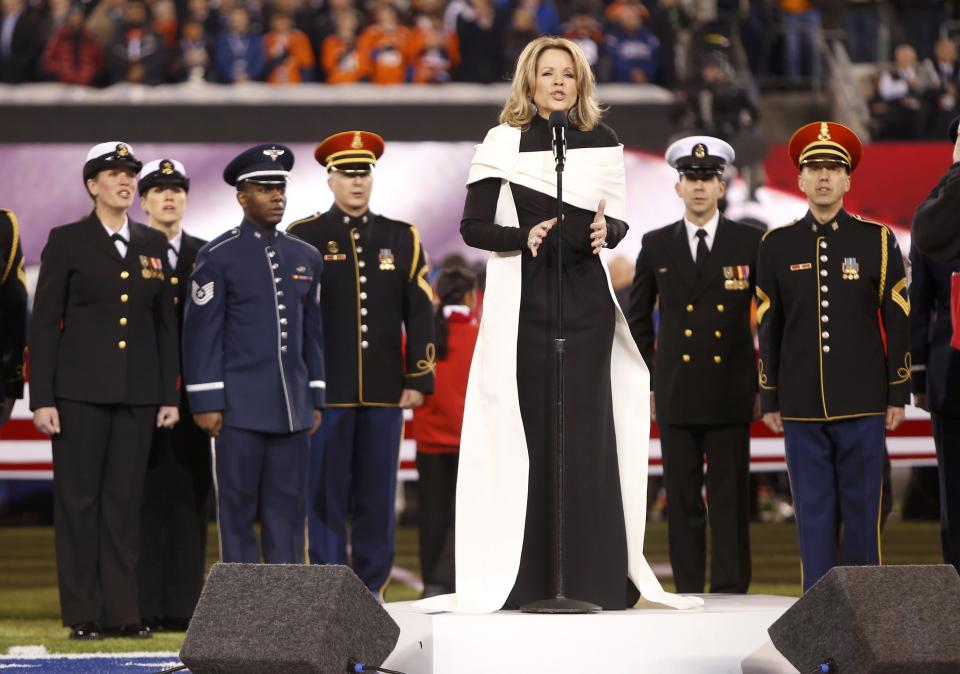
<point>596,545</point>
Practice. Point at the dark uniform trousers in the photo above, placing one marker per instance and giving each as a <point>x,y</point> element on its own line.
<point>354,477</point>
<point>253,349</point>
<point>99,459</point>
<point>104,353</point>
<point>268,470</point>
<point>13,307</point>
<point>705,383</point>
<point>834,339</point>
<point>176,496</point>
<point>836,469</point>
<point>375,295</point>
<point>936,373</point>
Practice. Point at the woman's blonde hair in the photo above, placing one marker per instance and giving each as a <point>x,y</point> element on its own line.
<point>519,109</point>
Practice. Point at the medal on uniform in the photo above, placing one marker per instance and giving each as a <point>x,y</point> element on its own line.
<point>386,260</point>
<point>333,252</point>
<point>736,278</point>
<point>850,269</point>
<point>151,267</point>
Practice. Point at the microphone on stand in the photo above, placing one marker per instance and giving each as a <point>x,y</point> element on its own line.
<point>558,126</point>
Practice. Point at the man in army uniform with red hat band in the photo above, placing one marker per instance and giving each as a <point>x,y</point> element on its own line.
<point>374,291</point>
<point>834,362</point>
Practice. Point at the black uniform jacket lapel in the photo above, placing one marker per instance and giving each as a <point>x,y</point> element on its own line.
<point>189,247</point>
<point>680,252</point>
<point>99,239</point>
<point>135,249</point>
<point>712,276</point>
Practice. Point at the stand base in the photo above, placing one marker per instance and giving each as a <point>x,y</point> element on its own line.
<point>560,605</point>
<point>651,638</point>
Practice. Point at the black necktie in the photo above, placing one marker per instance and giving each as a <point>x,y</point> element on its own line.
<point>702,251</point>
<point>117,237</point>
<point>172,256</point>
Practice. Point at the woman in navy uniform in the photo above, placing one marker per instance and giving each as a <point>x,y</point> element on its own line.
<point>832,376</point>
<point>103,359</point>
<point>13,313</point>
<point>375,292</point>
<point>176,496</point>
<point>253,363</point>
<point>701,272</point>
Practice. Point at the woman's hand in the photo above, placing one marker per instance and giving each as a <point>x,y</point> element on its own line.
<point>537,233</point>
<point>598,229</point>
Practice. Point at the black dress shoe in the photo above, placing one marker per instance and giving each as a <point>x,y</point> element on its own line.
<point>87,631</point>
<point>133,631</point>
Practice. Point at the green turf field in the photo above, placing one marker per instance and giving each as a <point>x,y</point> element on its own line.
<point>29,607</point>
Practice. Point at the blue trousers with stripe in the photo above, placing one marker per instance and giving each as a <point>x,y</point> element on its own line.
<point>836,472</point>
<point>353,476</point>
<point>265,474</point>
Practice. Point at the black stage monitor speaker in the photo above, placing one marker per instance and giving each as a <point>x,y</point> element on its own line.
<point>875,620</point>
<point>286,619</point>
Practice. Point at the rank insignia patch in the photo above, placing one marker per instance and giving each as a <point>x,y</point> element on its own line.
<point>202,294</point>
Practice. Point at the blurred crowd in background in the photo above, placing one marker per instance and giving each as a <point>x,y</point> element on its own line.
<point>102,42</point>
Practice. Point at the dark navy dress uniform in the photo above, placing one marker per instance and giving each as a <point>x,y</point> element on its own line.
<point>253,349</point>
<point>103,351</point>
<point>13,308</point>
<point>704,377</point>
<point>833,312</point>
<point>176,491</point>
<point>705,383</point>
<point>378,315</point>
<point>936,373</point>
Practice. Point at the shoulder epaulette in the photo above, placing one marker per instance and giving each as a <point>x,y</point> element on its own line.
<point>869,222</point>
<point>297,239</point>
<point>304,220</point>
<point>775,229</point>
<point>226,237</point>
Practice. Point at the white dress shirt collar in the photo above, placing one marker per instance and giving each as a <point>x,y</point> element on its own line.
<point>710,228</point>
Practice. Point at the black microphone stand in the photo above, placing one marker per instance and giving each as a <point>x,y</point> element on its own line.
<point>559,603</point>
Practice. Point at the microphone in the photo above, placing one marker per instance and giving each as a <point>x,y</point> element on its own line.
<point>558,126</point>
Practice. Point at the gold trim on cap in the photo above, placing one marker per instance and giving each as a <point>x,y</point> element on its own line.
<point>825,147</point>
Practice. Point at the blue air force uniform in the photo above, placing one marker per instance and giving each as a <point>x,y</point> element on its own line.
<point>375,296</point>
<point>833,323</point>
<point>253,350</point>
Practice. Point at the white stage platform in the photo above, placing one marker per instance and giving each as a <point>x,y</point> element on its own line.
<point>710,640</point>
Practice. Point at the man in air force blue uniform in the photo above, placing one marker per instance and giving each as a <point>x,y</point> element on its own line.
<point>253,363</point>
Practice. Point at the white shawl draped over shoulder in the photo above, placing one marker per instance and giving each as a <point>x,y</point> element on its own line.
<point>494,464</point>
